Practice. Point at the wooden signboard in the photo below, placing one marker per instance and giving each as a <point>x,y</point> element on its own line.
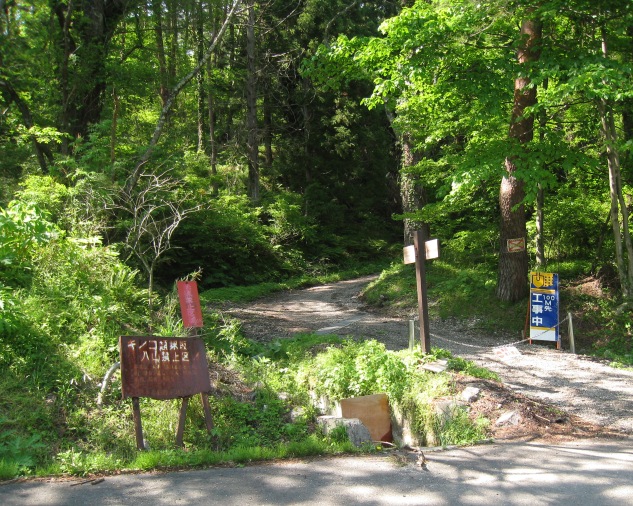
<point>189,304</point>
<point>431,251</point>
<point>373,411</point>
<point>164,368</point>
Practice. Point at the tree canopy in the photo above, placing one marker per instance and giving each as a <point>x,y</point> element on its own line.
<point>313,124</point>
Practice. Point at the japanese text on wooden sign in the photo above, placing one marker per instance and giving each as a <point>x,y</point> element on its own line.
<point>163,367</point>
<point>544,306</point>
<point>189,304</point>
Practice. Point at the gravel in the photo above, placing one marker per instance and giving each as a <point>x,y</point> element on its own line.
<point>582,386</point>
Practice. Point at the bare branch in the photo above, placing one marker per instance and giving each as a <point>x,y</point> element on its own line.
<point>156,208</point>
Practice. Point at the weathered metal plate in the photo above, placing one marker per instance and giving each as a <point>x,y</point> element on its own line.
<point>409,254</point>
<point>431,251</point>
<point>189,304</point>
<point>373,411</point>
<point>163,367</point>
<point>516,245</point>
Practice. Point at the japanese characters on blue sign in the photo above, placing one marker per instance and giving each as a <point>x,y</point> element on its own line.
<point>544,306</point>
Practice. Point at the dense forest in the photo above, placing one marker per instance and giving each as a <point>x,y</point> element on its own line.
<point>243,141</point>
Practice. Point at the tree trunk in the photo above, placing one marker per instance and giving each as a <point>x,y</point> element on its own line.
<point>212,139</point>
<point>251,107</point>
<point>513,259</point>
<point>163,91</point>
<point>540,198</point>
<point>42,151</point>
<point>540,227</point>
<point>160,125</point>
<point>200,79</point>
<point>306,116</point>
<point>268,131</point>
<point>412,193</point>
<point>619,210</point>
<point>627,120</point>
<point>82,106</point>
<point>116,106</point>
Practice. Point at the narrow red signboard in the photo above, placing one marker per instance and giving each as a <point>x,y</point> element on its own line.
<point>189,304</point>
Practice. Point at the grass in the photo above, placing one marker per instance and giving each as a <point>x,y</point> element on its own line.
<point>79,463</point>
<point>466,292</point>
<point>603,326</point>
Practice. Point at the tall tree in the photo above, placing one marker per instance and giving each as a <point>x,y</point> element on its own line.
<point>86,28</point>
<point>619,209</point>
<point>174,93</point>
<point>513,262</point>
<point>252,144</point>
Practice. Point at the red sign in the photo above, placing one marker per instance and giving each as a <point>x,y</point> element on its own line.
<point>189,304</point>
<point>163,367</point>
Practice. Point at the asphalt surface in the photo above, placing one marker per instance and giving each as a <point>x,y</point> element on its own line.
<point>586,472</point>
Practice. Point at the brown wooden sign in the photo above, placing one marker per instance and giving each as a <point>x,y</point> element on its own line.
<point>413,254</point>
<point>163,367</point>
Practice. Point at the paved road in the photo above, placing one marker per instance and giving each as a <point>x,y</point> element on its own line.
<point>598,472</point>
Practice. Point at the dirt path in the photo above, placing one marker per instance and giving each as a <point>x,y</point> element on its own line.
<point>583,387</point>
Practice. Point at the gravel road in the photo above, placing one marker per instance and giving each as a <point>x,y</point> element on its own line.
<point>578,384</point>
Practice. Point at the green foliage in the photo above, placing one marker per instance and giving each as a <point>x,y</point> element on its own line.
<point>226,240</point>
<point>298,346</point>
<point>46,193</point>
<point>287,224</point>
<point>459,429</point>
<point>24,227</point>
<point>319,275</point>
<point>17,453</point>
<point>225,338</point>
<point>85,294</point>
<point>265,422</point>
<point>458,289</point>
<point>355,369</point>
<point>470,368</point>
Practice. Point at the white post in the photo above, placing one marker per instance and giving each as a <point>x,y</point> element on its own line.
<point>411,334</point>
<point>572,344</point>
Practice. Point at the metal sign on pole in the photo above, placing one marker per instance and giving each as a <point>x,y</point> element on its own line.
<point>415,254</point>
<point>189,304</point>
<point>544,307</point>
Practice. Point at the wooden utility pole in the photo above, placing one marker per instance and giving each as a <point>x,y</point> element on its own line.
<point>419,241</point>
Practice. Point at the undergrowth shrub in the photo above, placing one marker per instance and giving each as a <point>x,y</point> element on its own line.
<point>18,453</point>
<point>84,296</point>
<point>355,369</point>
<point>366,367</point>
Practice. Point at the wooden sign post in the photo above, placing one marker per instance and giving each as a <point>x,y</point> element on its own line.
<point>415,254</point>
<point>164,368</point>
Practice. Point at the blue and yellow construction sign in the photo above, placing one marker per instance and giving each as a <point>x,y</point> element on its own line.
<point>544,307</point>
